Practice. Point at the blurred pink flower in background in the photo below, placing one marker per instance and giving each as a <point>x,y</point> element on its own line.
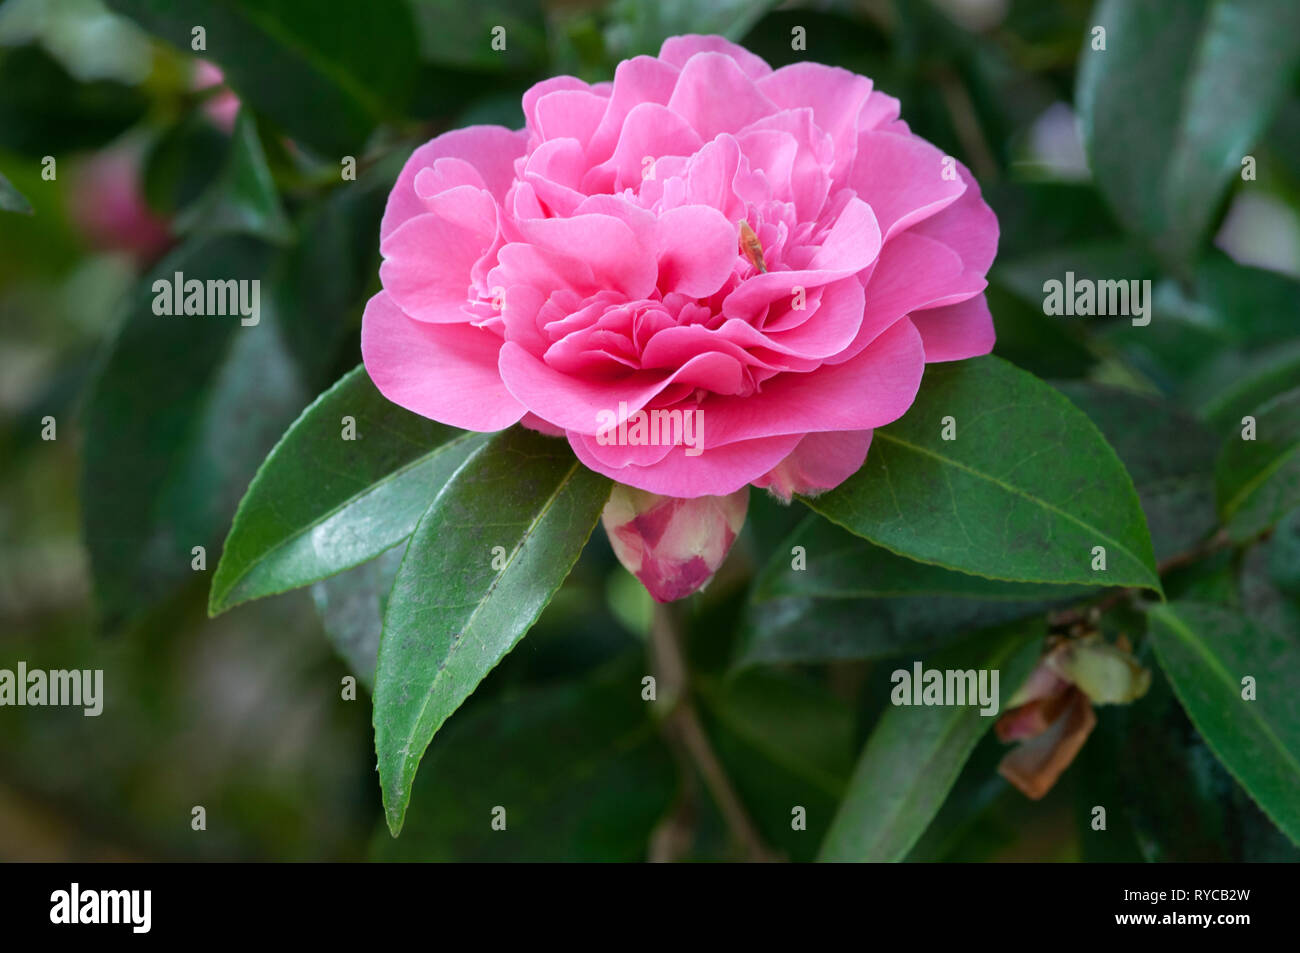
<point>223,106</point>
<point>107,204</point>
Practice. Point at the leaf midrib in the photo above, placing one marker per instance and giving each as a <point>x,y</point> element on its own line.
<point>1015,491</point>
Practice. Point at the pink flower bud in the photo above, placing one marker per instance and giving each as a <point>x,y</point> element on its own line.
<point>673,546</point>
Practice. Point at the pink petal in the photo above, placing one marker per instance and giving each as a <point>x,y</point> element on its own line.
<point>447,372</point>
<point>902,179</point>
<point>836,96</point>
<point>967,226</point>
<point>491,150</point>
<point>696,249</point>
<point>869,391</point>
<point>677,50</point>
<point>426,268</point>
<point>715,472</point>
<point>821,461</point>
<point>956,331</point>
<point>714,95</point>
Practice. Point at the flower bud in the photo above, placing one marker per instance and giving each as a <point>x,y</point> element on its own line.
<point>674,546</point>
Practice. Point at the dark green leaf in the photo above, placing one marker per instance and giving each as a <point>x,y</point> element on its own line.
<point>320,503</point>
<point>183,163</point>
<point>243,197</point>
<point>857,600</point>
<point>1207,651</point>
<point>1169,455</point>
<point>326,79</point>
<point>785,741</point>
<point>578,768</point>
<point>461,35</point>
<point>915,754</point>
<point>1259,480</point>
<point>44,111</point>
<point>1175,100</point>
<point>1025,492</point>
<point>1236,384</point>
<point>181,413</point>
<point>523,503</point>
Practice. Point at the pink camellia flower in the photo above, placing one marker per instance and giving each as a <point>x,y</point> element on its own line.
<point>704,274</point>
<point>673,545</point>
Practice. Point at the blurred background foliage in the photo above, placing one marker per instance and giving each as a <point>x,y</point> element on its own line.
<point>159,167</point>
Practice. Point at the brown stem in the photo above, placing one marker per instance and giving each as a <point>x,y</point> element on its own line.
<point>686,730</point>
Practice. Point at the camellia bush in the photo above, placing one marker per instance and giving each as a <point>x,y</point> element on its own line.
<point>715,430</point>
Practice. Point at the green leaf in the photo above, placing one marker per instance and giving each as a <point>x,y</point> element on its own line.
<point>243,197</point>
<point>1259,480</point>
<point>1025,492</point>
<point>855,600</point>
<point>181,413</point>
<point>578,767</point>
<point>1253,305</point>
<point>1175,100</point>
<point>461,35</point>
<point>640,28</point>
<point>351,607</point>
<point>1169,455</point>
<point>915,754</point>
<point>45,111</point>
<point>326,78</point>
<point>320,503</point>
<point>784,740</point>
<point>11,200</point>
<point>1237,384</point>
<point>1207,651</point>
<point>183,162</point>
<point>523,503</point>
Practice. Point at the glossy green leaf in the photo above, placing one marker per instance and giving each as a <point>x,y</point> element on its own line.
<point>11,200</point>
<point>915,754</point>
<point>1169,455</point>
<point>483,562</point>
<point>243,197</point>
<point>1175,100</point>
<point>1208,651</point>
<point>334,494</point>
<point>182,411</point>
<point>1259,479</point>
<point>579,769</point>
<point>351,606</point>
<point>1026,490</point>
<point>854,600</point>
<point>326,79</point>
